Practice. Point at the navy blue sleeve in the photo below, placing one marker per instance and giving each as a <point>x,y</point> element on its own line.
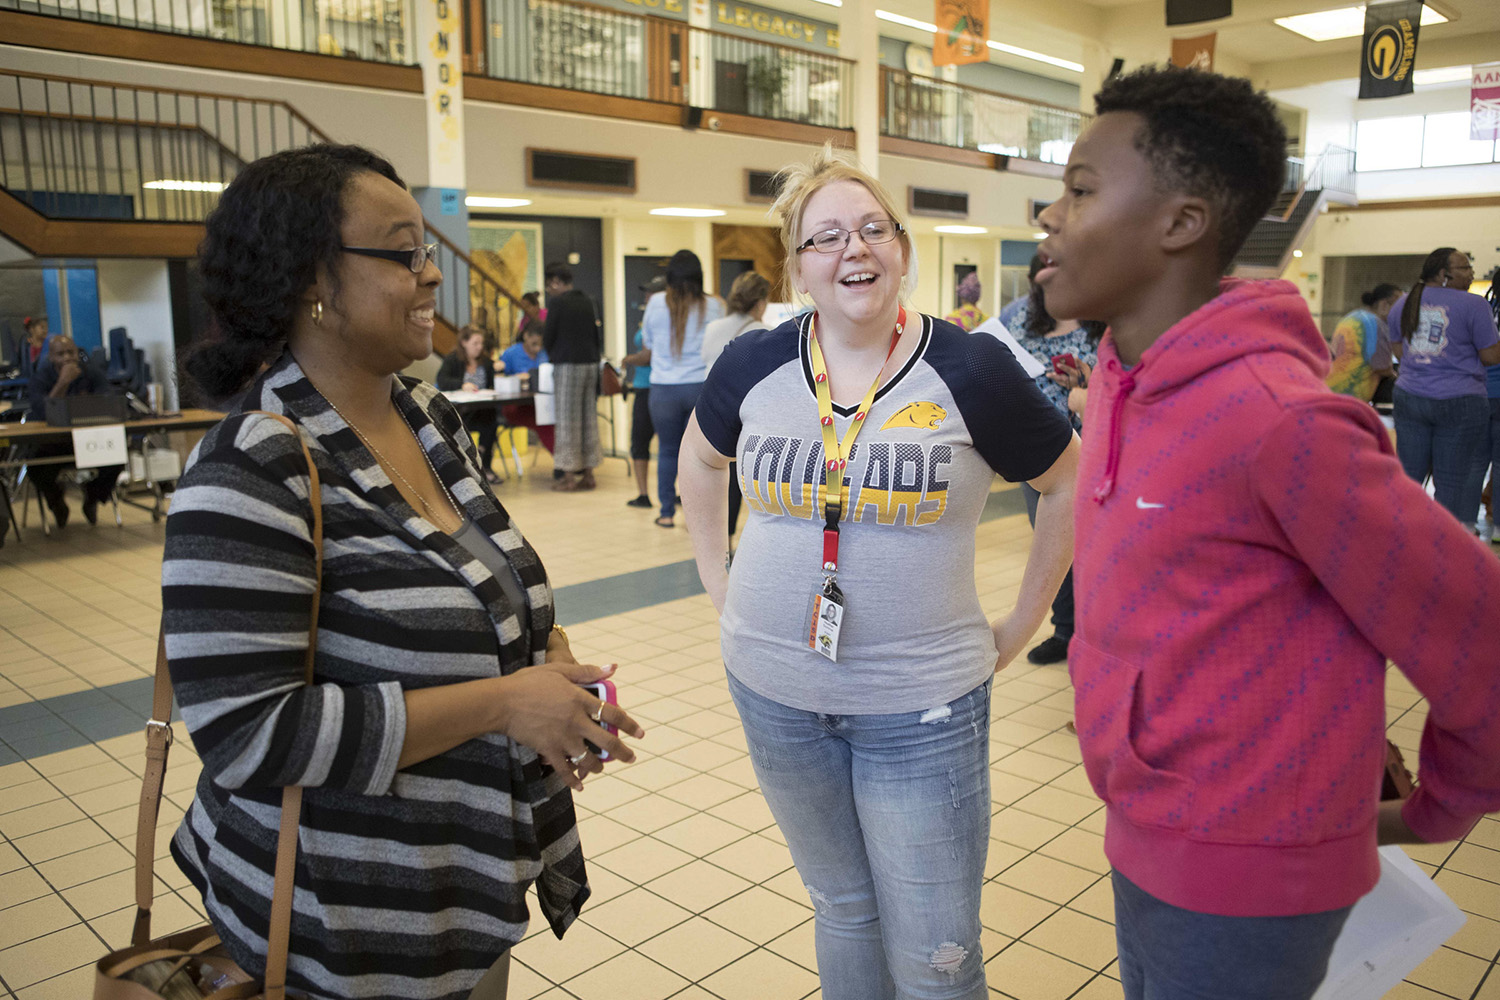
<point>746,360</point>
<point>1013,426</point>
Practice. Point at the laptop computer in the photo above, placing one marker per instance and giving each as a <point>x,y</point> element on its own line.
<point>85,411</point>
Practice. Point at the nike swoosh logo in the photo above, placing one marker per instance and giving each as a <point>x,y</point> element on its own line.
<point>1141,504</point>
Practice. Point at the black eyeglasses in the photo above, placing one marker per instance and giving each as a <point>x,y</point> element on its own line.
<point>835,240</point>
<point>414,260</point>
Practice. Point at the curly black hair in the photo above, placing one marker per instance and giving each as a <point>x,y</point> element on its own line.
<point>275,223</point>
<point>1211,136</point>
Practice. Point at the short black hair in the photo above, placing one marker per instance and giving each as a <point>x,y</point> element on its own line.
<point>275,223</point>
<point>1209,135</point>
<point>560,271</point>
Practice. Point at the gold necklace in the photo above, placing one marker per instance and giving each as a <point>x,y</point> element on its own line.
<point>388,464</point>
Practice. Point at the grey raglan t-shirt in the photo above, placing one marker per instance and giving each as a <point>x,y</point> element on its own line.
<point>913,637</point>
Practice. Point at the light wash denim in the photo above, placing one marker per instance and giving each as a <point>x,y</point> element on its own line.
<point>670,407</point>
<point>1168,953</point>
<point>1444,437</point>
<point>888,819</point>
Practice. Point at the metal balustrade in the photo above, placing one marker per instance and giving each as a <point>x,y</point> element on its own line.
<point>377,30</point>
<point>79,149</point>
<point>952,114</point>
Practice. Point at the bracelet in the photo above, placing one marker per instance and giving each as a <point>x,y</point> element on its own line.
<point>562,632</point>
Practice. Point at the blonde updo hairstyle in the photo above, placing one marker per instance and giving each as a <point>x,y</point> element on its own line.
<point>800,181</point>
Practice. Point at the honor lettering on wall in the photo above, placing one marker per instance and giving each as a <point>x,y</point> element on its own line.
<point>440,50</point>
<point>1389,53</point>
<point>963,32</point>
<point>1195,53</point>
<point>1484,103</point>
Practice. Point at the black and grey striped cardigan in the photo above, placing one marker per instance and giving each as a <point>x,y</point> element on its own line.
<point>409,883</point>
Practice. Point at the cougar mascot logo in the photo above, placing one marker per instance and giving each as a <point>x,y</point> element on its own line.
<point>920,414</point>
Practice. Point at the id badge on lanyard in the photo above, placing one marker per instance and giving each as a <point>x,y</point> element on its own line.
<point>826,617</point>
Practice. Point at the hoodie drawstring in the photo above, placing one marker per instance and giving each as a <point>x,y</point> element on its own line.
<point>1112,463</point>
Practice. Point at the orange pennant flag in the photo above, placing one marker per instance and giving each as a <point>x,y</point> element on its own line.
<point>962,32</point>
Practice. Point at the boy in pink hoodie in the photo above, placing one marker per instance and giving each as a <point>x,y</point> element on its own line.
<point>1249,555</point>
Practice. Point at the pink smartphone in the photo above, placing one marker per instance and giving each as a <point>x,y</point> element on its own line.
<point>1059,361</point>
<point>605,692</point>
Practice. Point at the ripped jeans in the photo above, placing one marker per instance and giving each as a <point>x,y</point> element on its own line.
<point>888,820</point>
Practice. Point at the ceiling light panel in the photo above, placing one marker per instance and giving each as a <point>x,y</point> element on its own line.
<point>1341,22</point>
<point>689,213</point>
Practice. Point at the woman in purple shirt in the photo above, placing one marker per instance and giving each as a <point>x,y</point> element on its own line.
<point>1444,337</point>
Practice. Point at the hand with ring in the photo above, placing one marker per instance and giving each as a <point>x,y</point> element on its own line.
<point>545,709</point>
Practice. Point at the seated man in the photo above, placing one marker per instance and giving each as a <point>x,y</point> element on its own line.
<point>65,373</point>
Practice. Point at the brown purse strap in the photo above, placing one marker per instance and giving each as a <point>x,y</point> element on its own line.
<point>159,742</point>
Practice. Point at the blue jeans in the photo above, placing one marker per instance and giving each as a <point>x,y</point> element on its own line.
<point>887,818</point>
<point>1168,953</point>
<point>671,405</point>
<point>1443,436</point>
<point>1488,460</point>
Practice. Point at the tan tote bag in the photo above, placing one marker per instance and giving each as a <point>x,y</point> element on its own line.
<point>192,964</point>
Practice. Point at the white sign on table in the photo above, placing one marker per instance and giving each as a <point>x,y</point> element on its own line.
<point>1030,365</point>
<point>94,447</point>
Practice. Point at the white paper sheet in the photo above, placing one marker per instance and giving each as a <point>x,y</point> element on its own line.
<point>1390,932</point>
<point>97,446</point>
<point>546,409</point>
<point>1030,365</point>
<point>544,378</point>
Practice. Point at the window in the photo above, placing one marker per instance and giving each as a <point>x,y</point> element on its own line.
<point>1413,141</point>
<point>1447,142</point>
<point>1388,143</point>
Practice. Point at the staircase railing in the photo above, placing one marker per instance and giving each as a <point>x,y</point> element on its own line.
<point>1333,171</point>
<point>75,148</point>
<point>374,30</point>
<point>87,149</point>
<point>952,114</point>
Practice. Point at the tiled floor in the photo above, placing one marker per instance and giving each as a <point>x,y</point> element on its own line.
<point>695,896</point>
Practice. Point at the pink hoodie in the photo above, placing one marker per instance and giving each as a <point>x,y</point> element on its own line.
<point>1249,554</point>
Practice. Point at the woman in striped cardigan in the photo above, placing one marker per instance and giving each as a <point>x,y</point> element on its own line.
<point>444,725</point>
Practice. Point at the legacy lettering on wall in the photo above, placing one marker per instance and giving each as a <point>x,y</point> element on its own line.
<point>443,89</point>
<point>1484,103</point>
<point>752,20</point>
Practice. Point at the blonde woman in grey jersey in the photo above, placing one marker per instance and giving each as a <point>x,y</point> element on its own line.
<point>866,437</point>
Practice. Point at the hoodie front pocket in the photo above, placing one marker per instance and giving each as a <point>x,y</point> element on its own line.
<point>1107,696</point>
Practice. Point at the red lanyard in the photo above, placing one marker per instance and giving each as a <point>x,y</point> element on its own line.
<point>837,452</point>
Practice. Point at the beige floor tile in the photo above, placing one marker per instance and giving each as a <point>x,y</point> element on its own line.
<point>169,912</point>
<point>1028,973</point>
<point>1071,935</point>
<point>703,755</point>
<point>68,986</point>
<point>599,834</point>
<point>1471,894</point>
<point>1006,789</point>
<point>1079,848</point>
<point>696,948</point>
<point>1491,988</point>
<point>758,914</point>
<point>631,976</point>
<point>789,884</point>
<point>1024,829</point>
<point>712,725</point>
<point>762,975</point>
<point>1062,745</point>
<point>703,791</point>
<point>1035,766</point>
<point>1098,901</point>
<point>1480,862</point>
<point>21,886</point>
<point>1015,734</point>
<point>46,815</point>
<point>1411,991</point>
<point>698,886</point>
<point>650,813</point>
<point>50,955</point>
<point>1048,878</point>
<point>748,811</point>
<point>643,860</point>
<point>1101,988</point>
<point>1010,911</point>
<point>33,919</point>
<point>655,774</point>
<point>1485,834</point>
<point>755,858</point>
<point>1000,856</point>
<point>605,792</point>
<point>1479,936</point>
<point>28,795</point>
<point>1451,972</point>
<point>700,834</point>
<point>525,983</point>
<point>799,945</point>
<point>99,775</point>
<point>61,841</point>
<point>635,916</point>
<point>10,859</point>
<point>1058,805</point>
<point>582,949</point>
<point>69,760</point>
<point>18,773</point>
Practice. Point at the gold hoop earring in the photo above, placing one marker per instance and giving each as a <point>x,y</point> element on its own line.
<point>317,312</point>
